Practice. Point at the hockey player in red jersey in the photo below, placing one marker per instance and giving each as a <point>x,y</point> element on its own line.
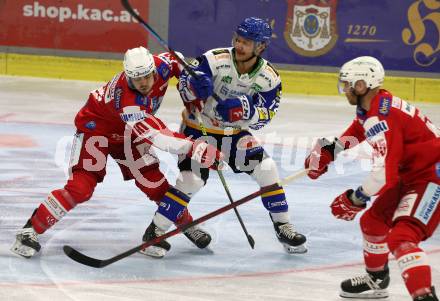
<point>405,178</point>
<point>118,121</point>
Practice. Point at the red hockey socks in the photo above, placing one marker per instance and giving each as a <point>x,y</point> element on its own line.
<point>376,250</point>
<point>56,205</point>
<point>403,242</point>
<point>79,188</point>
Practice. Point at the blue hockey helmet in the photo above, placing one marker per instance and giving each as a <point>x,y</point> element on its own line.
<point>255,29</point>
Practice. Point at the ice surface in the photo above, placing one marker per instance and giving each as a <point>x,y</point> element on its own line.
<point>36,128</point>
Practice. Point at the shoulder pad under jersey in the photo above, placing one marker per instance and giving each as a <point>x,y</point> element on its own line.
<point>387,103</point>
<point>271,68</point>
<point>165,63</point>
<point>219,51</point>
<point>216,59</point>
<point>219,54</point>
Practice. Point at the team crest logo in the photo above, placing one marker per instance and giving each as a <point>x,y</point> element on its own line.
<point>311,26</point>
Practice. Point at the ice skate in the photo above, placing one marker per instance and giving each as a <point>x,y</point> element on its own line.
<point>159,249</point>
<point>369,286</point>
<point>198,237</point>
<point>428,297</point>
<point>26,243</point>
<point>292,241</point>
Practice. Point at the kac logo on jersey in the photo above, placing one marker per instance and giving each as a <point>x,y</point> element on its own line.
<point>311,26</point>
<point>91,125</point>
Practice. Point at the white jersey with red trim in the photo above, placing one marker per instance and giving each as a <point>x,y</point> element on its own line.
<point>117,104</point>
<point>406,144</point>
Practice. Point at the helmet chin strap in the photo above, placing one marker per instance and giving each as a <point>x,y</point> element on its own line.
<point>250,58</point>
<point>254,51</point>
<point>130,83</point>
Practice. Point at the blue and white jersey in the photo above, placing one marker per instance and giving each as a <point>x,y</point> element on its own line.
<point>263,84</point>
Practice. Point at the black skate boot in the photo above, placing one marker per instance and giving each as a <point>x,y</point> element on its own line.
<point>159,249</point>
<point>428,297</point>
<point>198,237</point>
<point>26,243</point>
<point>369,286</point>
<point>292,241</point>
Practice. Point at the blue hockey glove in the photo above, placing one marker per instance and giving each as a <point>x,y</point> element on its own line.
<point>235,109</point>
<point>201,86</point>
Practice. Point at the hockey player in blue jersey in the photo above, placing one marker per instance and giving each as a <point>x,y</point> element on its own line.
<point>249,91</point>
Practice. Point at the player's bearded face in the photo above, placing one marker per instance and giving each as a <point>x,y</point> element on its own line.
<point>351,97</point>
<point>144,84</point>
<point>244,48</point>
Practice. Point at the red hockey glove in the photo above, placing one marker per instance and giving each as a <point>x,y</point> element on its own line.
<point>323,153</point>
<point>343,207</point>
<point>206,154</point>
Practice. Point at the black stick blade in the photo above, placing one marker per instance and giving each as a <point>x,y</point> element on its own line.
<point>81,258</point>
<point>251,241</point>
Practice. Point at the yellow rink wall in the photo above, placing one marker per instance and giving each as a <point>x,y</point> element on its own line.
<point>2,63</point>
<point>294,82</point>
<point>316,83</point>
<point>59,67</point>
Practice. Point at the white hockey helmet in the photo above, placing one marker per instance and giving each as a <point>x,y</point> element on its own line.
<point>365,68</point>
<point>138,62</point>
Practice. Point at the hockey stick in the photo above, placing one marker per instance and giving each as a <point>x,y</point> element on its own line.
<point>98,263</point>
<point>188,69</point>
<point>161,41</point>
<point>225,186</point>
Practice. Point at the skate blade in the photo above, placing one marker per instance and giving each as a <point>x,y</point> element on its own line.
<point>376,294</point>
<point>22,250</point>
<point>153,251</point>
<point>301,249</point>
